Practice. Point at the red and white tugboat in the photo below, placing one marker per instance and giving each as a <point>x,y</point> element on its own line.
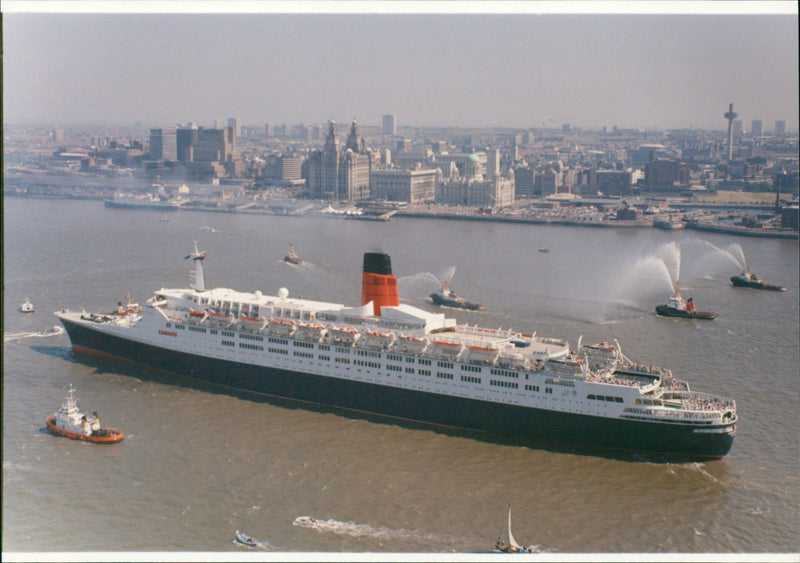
<point>69,422</point>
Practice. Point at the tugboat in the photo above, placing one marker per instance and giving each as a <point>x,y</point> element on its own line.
<point>677,307</point>
<point>292,257</point>
<point>69,422</point>
<point>27,306</point>
<point>749,279</point>
<point>447,297</point>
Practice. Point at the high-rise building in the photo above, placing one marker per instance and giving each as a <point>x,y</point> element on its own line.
<point>666,174</point>
<point>755,128</point>
<point>492,163</point>
<point>163,144</point>
<point>186,140</point>
<point>213,145</point>
<point>524,182</point>
<point>218,123</point>
<point>235,124</point>
<point>780,127</point>
<point>389,124</point>
<point>737,129</point>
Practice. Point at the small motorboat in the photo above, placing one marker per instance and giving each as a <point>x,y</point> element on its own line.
<point>447,297</point>
<point>70,422</point>
<point>677,307</point>
<point>508,544</point>
<point>292,257</point>
<point>53,331</point>
<point>749,279</point>
<point>27,306</point>
<point>305,521</point>
<point>244,539</point>
<point>544,249</point>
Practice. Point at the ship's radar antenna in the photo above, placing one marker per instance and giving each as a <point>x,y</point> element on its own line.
<point>196,280</point>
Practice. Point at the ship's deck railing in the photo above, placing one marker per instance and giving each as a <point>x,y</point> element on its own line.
<point>699,401</point>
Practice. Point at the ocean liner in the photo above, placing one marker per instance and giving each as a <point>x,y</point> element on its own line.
<point>394,360</point>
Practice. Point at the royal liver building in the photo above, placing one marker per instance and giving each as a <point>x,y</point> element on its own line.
<point>340,174</point>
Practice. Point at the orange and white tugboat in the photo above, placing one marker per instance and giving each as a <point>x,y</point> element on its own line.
<point>69,422</point>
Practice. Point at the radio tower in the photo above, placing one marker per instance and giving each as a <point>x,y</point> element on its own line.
<point>730,115</point>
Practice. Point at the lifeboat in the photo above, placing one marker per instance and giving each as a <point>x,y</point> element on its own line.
<point>482,353</point>
<point>378,339</point>
<point>443,349</point>
<point>251,323</point>
<point>220,319</point>
<point>309,331</point>
<point>69,422</point>
<point>412,344</point>
<point>281,327</point>
<point>197,317</point>
<point>343,334</point>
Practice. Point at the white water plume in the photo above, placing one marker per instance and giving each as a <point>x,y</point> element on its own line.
<point>714,251</point>
<point>649,272</point>
<point>671,255</point>
<point>362,530</point>
<point>421,282</point>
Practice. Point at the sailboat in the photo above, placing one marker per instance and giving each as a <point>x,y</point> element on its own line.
<point>511,545</point>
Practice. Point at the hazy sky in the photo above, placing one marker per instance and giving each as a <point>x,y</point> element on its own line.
<point>517,70</point>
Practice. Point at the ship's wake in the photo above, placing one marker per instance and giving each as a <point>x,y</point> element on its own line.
<point>362,530</point>
<point>13,336</point>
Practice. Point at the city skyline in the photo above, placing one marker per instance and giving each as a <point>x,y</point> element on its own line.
<point>654,71</point>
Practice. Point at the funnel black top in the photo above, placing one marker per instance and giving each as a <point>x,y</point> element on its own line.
<point>377,263</point>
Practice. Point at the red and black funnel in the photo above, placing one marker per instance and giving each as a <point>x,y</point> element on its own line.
<point>378,284</point>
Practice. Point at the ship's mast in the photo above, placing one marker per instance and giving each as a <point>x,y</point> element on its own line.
<point>197,281</point>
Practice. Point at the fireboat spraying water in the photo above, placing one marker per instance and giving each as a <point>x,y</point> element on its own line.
<point>677,307</point>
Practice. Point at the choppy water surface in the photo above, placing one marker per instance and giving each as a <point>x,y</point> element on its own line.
<point>197,464</point>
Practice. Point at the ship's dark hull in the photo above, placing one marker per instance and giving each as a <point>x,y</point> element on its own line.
<point>666,311</point>
<point>457,303</point>
<point>739,282</point>
<point>412,405</point>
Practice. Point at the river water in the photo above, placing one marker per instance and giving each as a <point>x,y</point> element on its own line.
<point>197,463</point>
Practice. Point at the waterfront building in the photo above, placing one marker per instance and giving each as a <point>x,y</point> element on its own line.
<point>412,158</point>
<point>186,139</point>
<point>340,174</point>
<point>163,144</point>
<point>524,182</point>
<point>468,165</point>
<point>213,145</point>
<point>614,182</point>
<point>665,174</point>
<point>412,186</point>
<point>389,124</point>
<point>498,192</point>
